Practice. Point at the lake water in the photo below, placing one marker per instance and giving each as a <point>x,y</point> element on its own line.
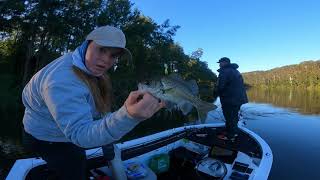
<point>288,120</point>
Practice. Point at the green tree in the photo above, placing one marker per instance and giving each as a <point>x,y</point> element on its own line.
<point>303,75</point>
<point>33,33</point>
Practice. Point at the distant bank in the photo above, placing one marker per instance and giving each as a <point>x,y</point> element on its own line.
<point>303,75</point>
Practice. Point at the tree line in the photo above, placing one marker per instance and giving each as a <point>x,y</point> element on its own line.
<point>303,75</point>
<point>34,33</point>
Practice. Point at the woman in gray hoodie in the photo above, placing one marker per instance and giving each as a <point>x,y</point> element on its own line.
<point>67,104</point>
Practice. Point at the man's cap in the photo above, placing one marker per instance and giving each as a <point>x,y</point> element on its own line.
<point>109,36</point>
<point>224,59</point>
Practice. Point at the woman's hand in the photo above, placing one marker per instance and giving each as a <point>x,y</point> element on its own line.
<point>142,105</point>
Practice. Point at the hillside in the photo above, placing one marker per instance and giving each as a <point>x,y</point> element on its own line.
<point>306,75</point>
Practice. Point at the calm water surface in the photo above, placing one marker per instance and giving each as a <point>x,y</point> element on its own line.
<point>288,120</point>
<point>290,124</point>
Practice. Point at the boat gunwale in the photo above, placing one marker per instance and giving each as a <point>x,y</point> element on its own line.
<point>25,165</point>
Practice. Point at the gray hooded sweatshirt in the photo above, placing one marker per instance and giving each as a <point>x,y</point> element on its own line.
<point>59,107</point>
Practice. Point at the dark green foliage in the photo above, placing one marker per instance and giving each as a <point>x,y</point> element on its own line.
<point>303,75</point>
<point>34,33</point>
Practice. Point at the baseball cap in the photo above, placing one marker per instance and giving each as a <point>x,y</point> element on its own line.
<point>109,36</point>
<point>224,59</point>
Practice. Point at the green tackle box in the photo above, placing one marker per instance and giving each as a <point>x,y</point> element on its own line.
<point>159,163</point>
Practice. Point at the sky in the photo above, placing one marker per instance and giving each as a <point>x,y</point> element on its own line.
<point>255,34</point>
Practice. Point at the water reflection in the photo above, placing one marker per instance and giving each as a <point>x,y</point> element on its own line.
<point>302,100</point>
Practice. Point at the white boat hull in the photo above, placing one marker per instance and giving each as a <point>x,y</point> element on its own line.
<point>261,167</point>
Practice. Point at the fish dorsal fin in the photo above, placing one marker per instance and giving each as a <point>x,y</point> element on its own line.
<point>191,85</point>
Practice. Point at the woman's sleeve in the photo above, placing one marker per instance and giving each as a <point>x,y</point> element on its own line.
<point>72,113</point>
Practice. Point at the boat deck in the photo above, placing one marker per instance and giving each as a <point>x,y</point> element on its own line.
<point>243,142</point>
<point>206,136</point>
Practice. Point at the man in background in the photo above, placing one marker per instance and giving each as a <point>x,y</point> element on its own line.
<point>232,95</point>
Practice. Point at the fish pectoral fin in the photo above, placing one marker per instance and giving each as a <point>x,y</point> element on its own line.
<point>203,110</point>
<point>169,105</point>
<point>185,107</point>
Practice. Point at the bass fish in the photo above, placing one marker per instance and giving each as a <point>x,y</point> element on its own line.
<point>175,91</point>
